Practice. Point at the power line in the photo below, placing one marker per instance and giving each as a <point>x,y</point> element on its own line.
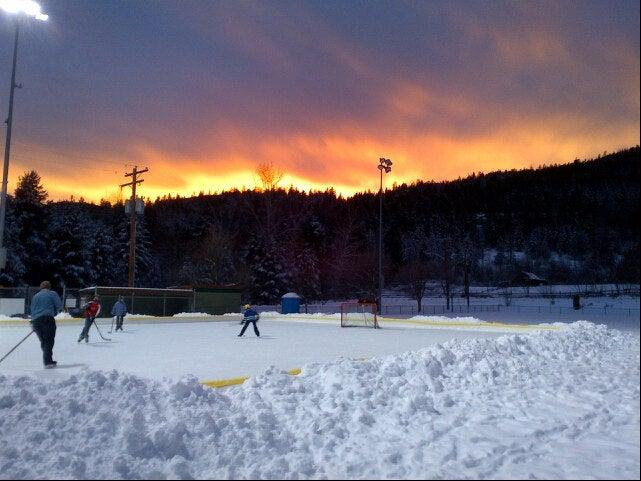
<point>26,160</point>
<point>49,152</point>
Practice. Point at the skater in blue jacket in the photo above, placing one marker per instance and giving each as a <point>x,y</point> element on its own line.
<point>251,316</point>
<point>118,311</point>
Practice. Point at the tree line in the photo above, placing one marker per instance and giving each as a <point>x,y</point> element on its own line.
<point>571,223</point>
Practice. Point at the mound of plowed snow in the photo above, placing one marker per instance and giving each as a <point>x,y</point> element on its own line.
<point>561,404</point>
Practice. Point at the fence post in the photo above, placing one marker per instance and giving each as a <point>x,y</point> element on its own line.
<point>164,304</point>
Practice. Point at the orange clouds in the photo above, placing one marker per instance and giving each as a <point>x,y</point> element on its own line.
<point>346,161</point>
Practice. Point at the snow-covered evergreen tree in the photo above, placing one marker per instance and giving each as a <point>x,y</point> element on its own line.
<point>15,269</point>
<point>267,275</point>
<point>70,235</point>
<point>147,268</point>
<point>103,257</point>
<point>306,275</point>
<point>29,229</point>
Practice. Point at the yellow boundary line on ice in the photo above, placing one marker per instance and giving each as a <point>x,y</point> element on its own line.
<point>239,380</point>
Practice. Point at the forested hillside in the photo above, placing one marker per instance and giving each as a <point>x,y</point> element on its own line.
<point>568,223</point>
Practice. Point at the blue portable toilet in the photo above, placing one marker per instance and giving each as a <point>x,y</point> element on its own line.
<point>290,303</point>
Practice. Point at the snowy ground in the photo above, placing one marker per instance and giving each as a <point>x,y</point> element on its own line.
<point>427,403</point>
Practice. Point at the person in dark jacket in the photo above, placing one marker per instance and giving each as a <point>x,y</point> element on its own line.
<point>119,310</point>
<point>251,316</point>
<point>92,309</point>
<point>44,306</point>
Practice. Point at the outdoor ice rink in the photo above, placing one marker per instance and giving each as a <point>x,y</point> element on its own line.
<point>211,349</point>
<point>408,401</point>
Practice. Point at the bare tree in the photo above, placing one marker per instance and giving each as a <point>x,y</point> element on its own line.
<point>269,174</point>
<point>415,272</point>
<point>440,248</point>
<point>465,259</point>
<point>414,277</point>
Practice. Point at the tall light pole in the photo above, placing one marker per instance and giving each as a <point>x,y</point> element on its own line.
<point>384,165</point>
<point>19,8</point>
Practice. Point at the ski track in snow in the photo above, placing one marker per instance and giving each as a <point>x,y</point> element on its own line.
<point>543,405</point>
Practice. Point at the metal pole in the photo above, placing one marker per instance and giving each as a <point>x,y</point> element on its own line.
<point>7,148</point>
<point>132,231</point>
<point>380,246</point>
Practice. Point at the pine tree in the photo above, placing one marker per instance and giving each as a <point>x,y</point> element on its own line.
<point>15,269</point>
<point>306,275</point>
<point>30,229</point>
<point>103,256</point>
<point>69,254</point>
<point>267,276</point>
<point>147,273</point>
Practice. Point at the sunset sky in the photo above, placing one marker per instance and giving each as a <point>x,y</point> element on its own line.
<point>202,91</point>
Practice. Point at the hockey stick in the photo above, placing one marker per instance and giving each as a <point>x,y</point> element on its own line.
<point>103,337</point>
<point>16,346</point>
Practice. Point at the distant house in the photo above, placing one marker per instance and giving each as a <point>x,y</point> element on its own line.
<point>527,279</point>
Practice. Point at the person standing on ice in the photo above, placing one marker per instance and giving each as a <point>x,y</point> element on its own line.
<point>92,309</point>
<point>44,306</point>
<point>119,310</point>
<point>250,316</point>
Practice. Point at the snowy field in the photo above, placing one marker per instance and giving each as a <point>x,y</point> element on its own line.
<point>425,403</point>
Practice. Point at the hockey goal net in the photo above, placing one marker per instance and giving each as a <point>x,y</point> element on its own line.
<point>358,314</point>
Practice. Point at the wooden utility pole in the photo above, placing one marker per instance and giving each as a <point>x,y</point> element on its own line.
<point>132,228</point>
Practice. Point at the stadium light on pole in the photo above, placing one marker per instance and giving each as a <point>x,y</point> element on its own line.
<point>20,8</point>
<point>384,165</point>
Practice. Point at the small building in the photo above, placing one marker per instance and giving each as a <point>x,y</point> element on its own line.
<point>166,302</point>
<point>528,279</point>
<point>290,303</point>
<point>217,300</point>
<point>141,300</point>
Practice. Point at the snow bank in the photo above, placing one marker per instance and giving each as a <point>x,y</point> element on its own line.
<point>459,320</point>
<point>561,404</point>
<point>138,316</point>
<point>192,314</point>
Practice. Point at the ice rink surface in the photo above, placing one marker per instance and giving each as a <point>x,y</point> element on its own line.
<point>212,350</point>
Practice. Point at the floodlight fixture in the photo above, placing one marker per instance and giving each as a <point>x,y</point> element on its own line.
<point>26,7</point>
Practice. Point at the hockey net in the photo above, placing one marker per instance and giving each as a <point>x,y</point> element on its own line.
<point>358,314</point>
